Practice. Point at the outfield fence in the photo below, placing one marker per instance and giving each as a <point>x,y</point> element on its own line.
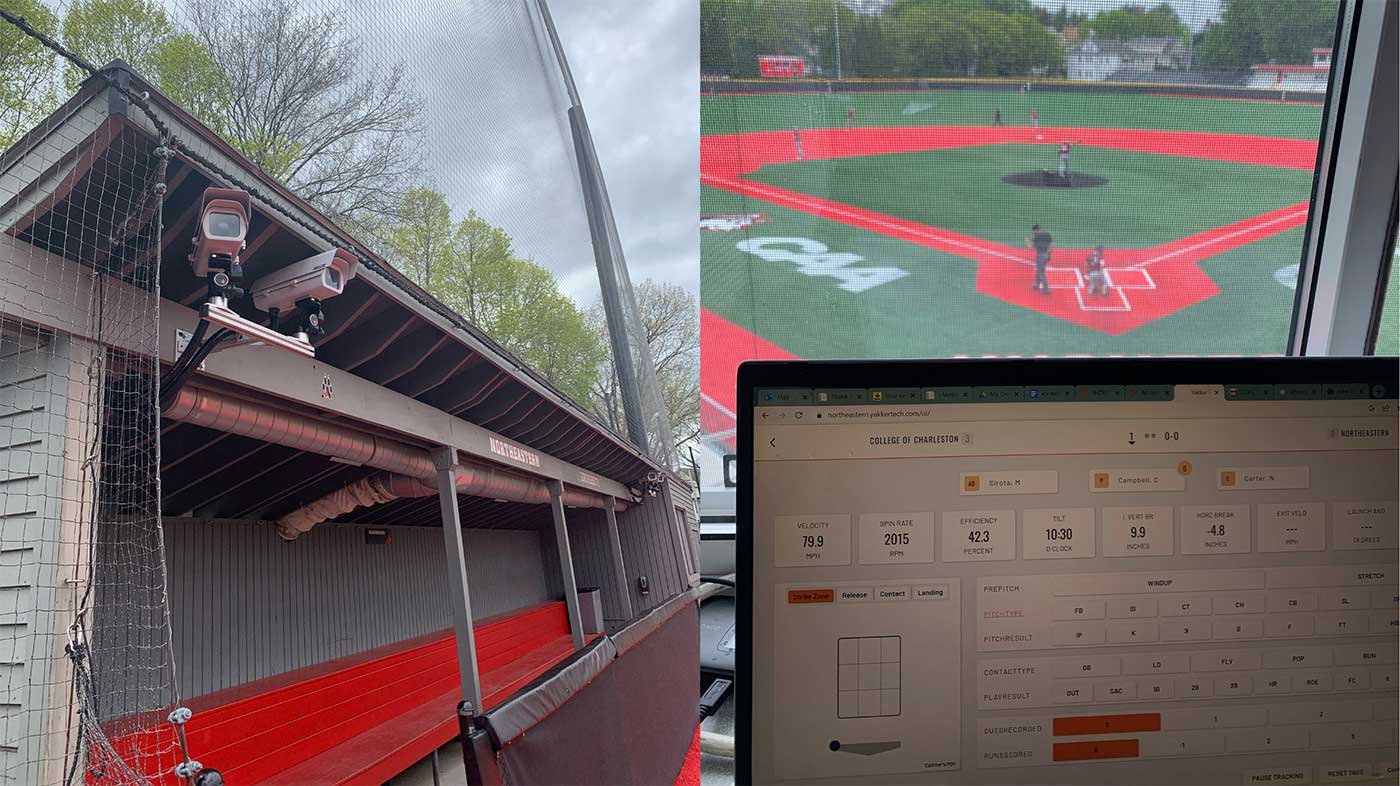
<point>1219,89</point>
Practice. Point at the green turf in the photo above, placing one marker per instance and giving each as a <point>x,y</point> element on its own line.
<point>936,311</point>
<point>724,114</point>
<point>1388,335</point>
<point>1149,199</point>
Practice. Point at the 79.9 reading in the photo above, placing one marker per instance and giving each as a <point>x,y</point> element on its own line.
<point>813,541</point>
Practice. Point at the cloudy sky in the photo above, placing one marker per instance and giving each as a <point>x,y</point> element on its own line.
<point>497,134</point>
<point>637,65</point>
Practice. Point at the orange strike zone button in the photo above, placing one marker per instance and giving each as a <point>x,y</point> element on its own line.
<point>811,596</point>
<point>1103,749</point>
<point>1108,724</point>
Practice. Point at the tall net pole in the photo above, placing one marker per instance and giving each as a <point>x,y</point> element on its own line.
<point>648,424</point>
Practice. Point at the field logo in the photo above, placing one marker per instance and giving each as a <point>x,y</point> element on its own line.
<point>815,259</point>
<point>732,223</point>
<point>1287,276</point>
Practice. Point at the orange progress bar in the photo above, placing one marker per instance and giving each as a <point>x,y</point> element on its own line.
<point>1108,724</point>
<point>1103,749</point>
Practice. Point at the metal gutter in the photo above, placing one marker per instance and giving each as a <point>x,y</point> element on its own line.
<point>409,470</point>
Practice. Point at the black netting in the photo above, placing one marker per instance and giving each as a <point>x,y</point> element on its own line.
<point>438,137</point>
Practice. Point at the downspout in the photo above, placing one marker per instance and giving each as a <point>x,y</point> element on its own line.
<point>408,470</point>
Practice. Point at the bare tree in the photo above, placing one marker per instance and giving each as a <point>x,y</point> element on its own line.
<point>671,320</point>
<point>304,106</point>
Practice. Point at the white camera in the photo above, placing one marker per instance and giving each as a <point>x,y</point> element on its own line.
<point>221,231</point>
<point>317,277</point>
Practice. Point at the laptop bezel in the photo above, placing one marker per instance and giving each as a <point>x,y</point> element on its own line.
<point>754,375</point>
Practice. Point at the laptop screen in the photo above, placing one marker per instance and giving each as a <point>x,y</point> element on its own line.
<point>1119,572</point>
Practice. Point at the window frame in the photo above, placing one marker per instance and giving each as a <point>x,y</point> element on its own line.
<point>1346,257</point>
<point>681,522</point>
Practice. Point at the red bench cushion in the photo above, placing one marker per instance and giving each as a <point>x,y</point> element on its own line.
<point>355,719</point>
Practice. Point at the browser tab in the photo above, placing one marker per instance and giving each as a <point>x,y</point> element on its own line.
<point>840,396</point>
<point>780,397</point>
<point>999,393</point>
<point>1299,390</point>
<point>1346,390</point>
<point>1050,393</point>
<point>948,395</point>
<point>1200,392</point>
<point>1249,392</point>
<point>895,395</point>
<point>1100,393</point>
<point>1148,393</point>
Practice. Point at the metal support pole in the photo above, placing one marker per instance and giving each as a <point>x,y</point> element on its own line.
<point>478,754</point>
<point>836,22</point>
<point>443,459</point>
<point>566,562</point>
<point>624,590</point>
<point>679,547</point>
<point>645,419</point>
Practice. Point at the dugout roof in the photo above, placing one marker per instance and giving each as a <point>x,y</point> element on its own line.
<point>384,330</point>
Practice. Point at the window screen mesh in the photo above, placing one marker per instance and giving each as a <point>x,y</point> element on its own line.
<point>873,175</point>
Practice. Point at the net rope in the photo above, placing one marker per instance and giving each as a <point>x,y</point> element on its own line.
<point>86,639</point>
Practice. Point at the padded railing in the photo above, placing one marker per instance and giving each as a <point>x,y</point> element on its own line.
<point>623,710</point>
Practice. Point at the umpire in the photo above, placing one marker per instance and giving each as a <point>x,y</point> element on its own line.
<point>1041,241</point>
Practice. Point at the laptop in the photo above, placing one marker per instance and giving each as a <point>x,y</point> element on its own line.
<point>1068,571</point>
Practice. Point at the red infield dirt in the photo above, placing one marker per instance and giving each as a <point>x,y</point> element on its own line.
<point>1147,284</point>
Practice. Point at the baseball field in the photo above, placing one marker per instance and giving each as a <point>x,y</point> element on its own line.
<point>895,224</point>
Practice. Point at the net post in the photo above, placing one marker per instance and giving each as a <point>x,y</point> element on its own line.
<point>444,460</point>
<point>619,567</point>
<point>566,562</point>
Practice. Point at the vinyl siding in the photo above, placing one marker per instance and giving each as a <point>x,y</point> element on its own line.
<point>246,605</point>
<point>33,376</point>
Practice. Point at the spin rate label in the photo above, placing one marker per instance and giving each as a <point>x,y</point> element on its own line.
<point>815,539</point>
<point>896,538</point>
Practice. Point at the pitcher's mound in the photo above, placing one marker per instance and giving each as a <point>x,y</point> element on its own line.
<point>1046,178</point>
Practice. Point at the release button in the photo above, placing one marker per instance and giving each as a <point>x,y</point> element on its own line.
<point>811,596</point>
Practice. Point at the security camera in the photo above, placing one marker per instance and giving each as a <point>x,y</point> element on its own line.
<point>304,285</point>
<point>221,232</point>
<point>321,276</point>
